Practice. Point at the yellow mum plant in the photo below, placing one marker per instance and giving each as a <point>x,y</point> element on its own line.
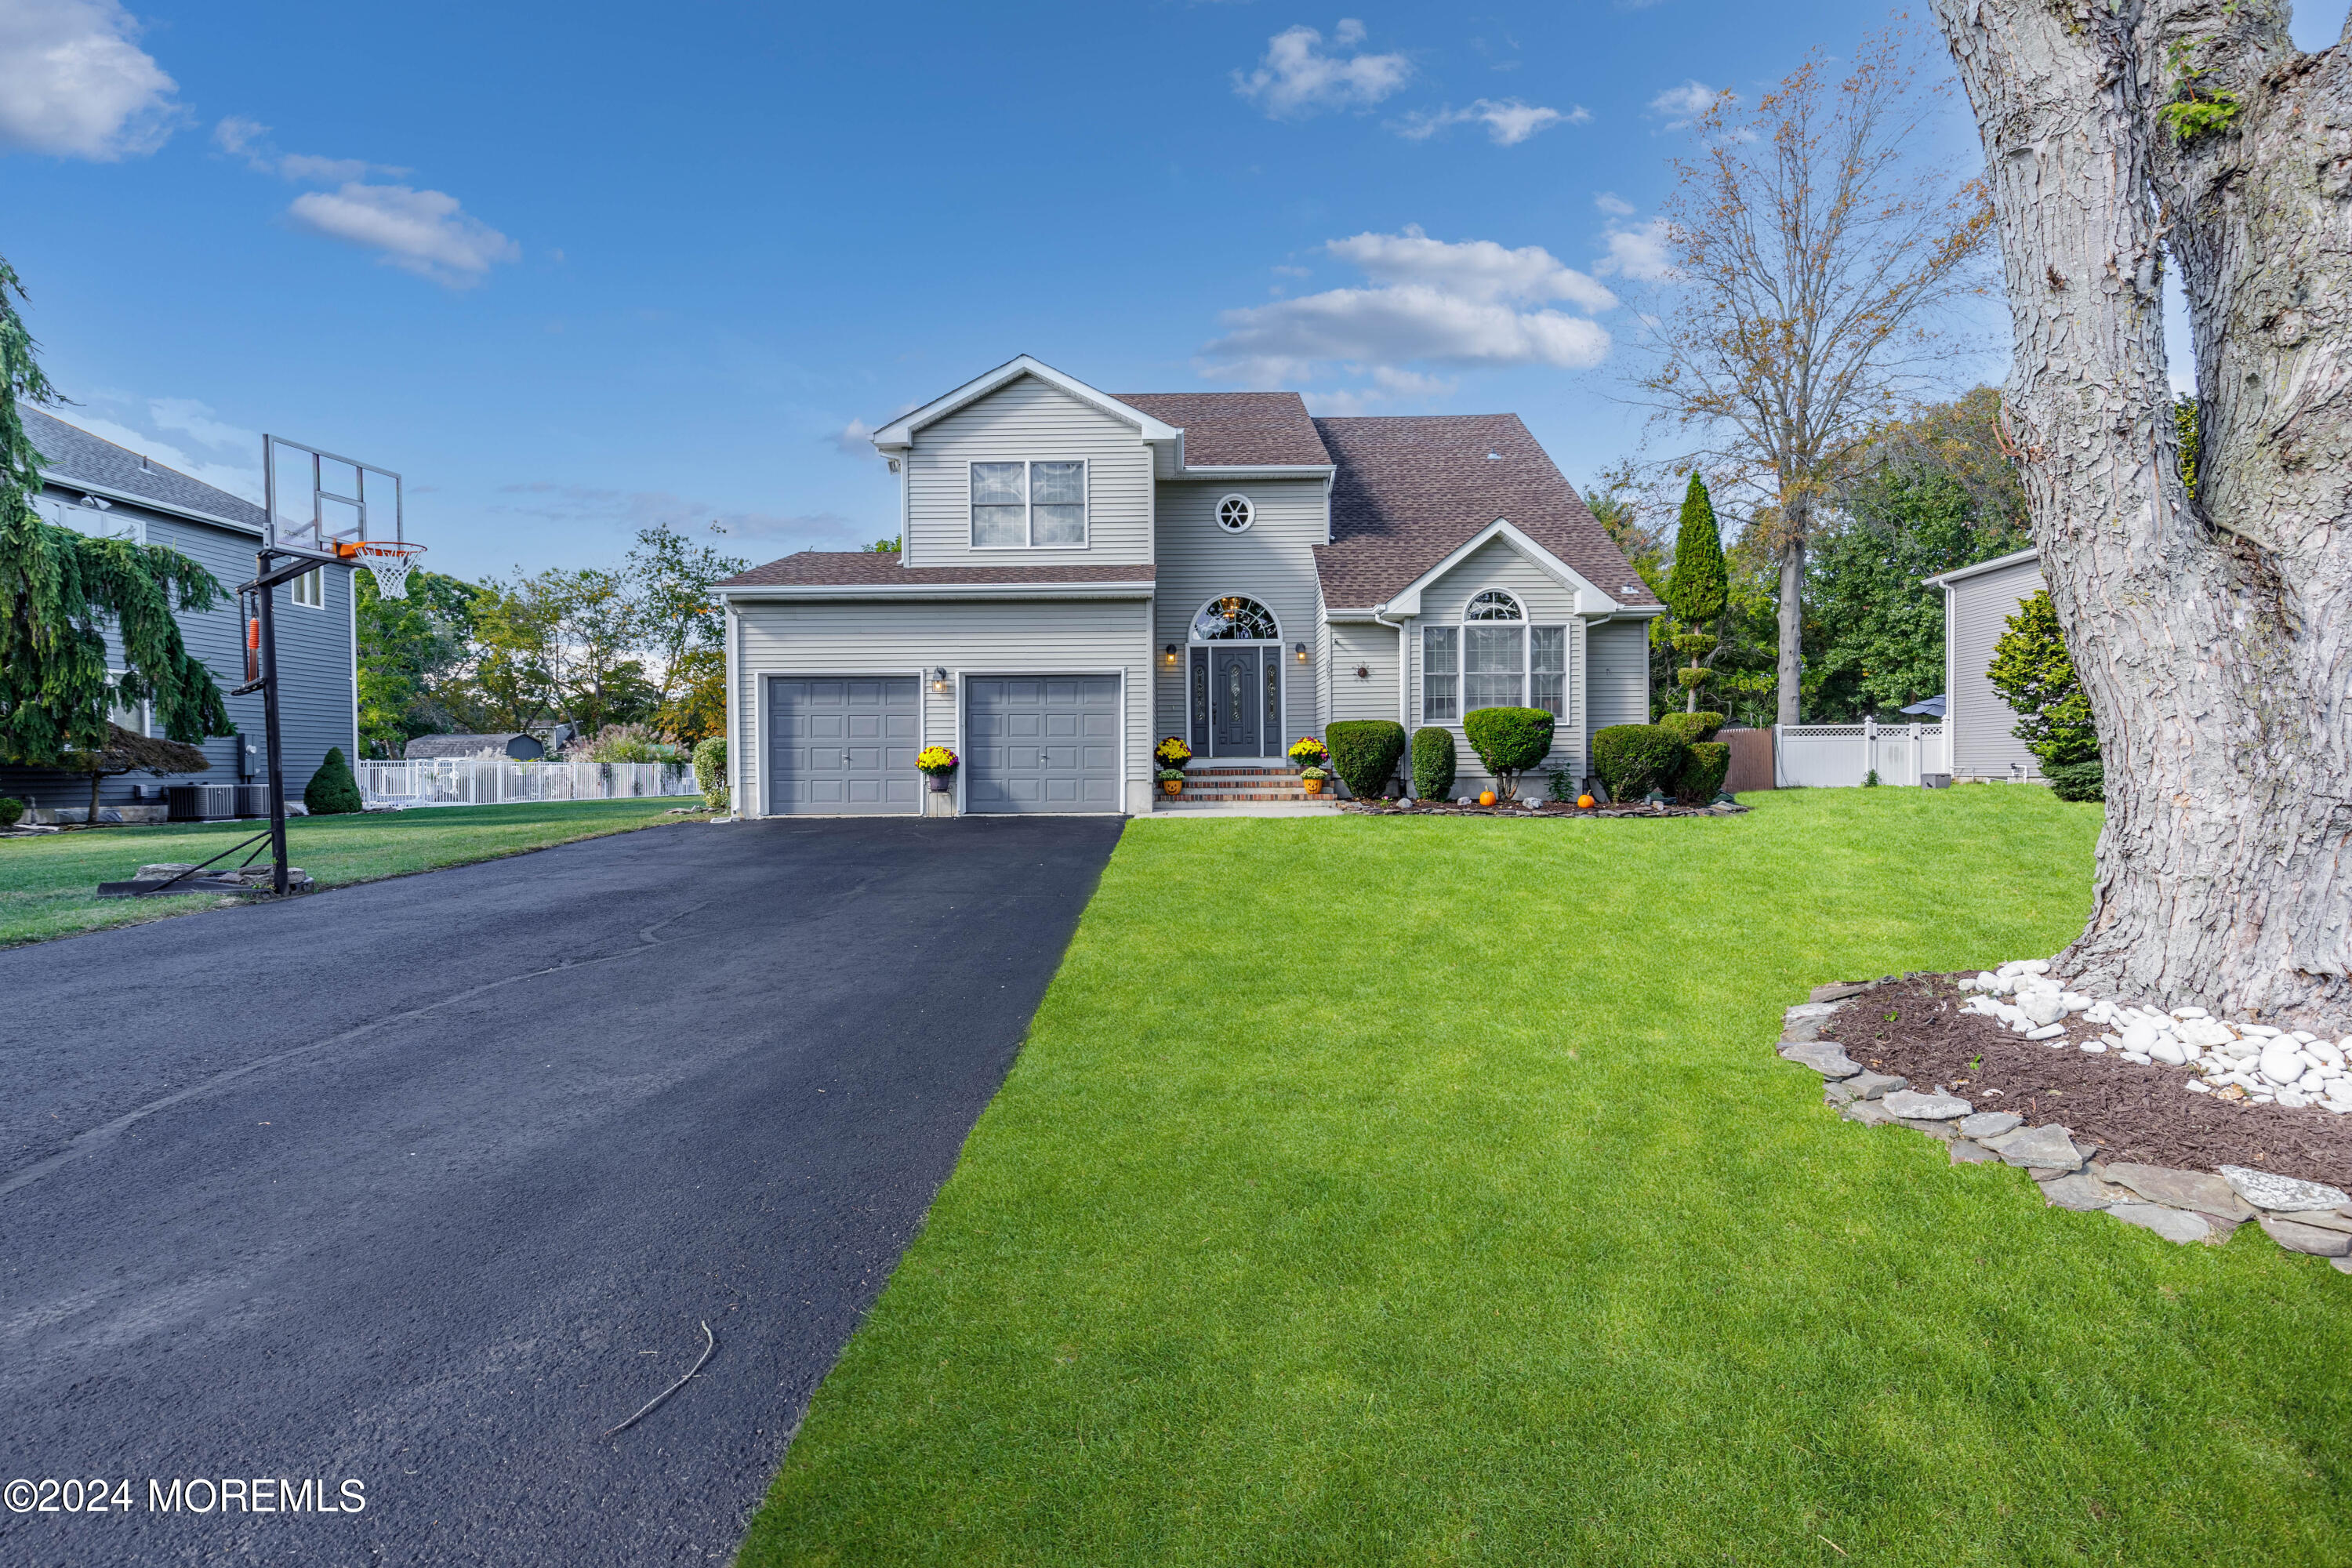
<point>934,760</point>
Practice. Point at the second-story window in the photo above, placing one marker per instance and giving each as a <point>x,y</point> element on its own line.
<point>1018,505</point>
<point>309,590</point>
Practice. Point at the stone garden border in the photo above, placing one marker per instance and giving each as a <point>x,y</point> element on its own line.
<point>2179,1206</point>
<point>1549,808</point>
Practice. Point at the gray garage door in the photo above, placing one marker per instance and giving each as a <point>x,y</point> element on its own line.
<point>1042,744</point>
<point>841,745</point>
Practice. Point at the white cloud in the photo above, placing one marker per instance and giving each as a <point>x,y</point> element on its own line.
<point>854,439</point>
<point>1294,272</point>
<point>226,456</point>
<point>1469,303</point>
<point>249,140</point>
<point>1297,78</point>
<point>72,82</point>
<point>1639,253</point>
<point>1507,120</point>
<point>1681,105</point>
<point>1389,385</point>
<point>1613,205</point>
<point>424,232</point>
<point>583,505</point>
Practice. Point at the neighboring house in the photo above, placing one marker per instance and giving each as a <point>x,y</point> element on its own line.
<point>521,747</point>
<point>1978,725</point>
<point>95,487</point>
<point>1083,574</point>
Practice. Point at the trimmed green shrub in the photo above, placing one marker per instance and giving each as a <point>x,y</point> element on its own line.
<point>2077,781</point>
<point>1635,759</point>
<point>1510,740</point>
<point>1703,774</point>
<point>1432,764</point>
<point>711,771</point>
<point>12,811</point>
<point>332,791</point>
<point>1690,729</point>
<point>1364,753</point>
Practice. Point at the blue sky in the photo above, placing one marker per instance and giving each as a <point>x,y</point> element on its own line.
<point>576,269</point>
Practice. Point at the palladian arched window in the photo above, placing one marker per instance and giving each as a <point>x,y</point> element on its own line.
<point>1235,619</point>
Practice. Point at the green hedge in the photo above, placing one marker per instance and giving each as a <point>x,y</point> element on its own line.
<point>1364,753</point>
<point>2077,781</point>
<point>710,772</point>
<point>1702,775</point>
<point>1510,740</point>
<point>1635,759</point>
<point>332,791</point>
<point>1690,729</point>
<point>1432,764</point>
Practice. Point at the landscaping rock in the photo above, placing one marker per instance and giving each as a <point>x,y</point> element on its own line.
<point>2265,1190</point>
<point>2308,1238</point>
<point>1826,1058</point>
<point>1838,991</point>
<point>1965,1152</point>
<point>1797,1031</point>
<point>2045,1146</point>
<point>1869,1112</point>
<point>2341,1265</point>
<point>2326,1219</point>
<point>1809,1010</point>
<point>2180,1189</point>
<point>2041,1006</point>
<point>2081,1194</point>
<point>1913,1106</point>
<point>2170,1223</point>
<point>1932,1129</point>
<point>1990,1123</point>
<point>1872,1085</point>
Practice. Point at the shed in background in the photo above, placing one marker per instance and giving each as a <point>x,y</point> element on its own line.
<point>512,744</point>
<point>1978,726</point>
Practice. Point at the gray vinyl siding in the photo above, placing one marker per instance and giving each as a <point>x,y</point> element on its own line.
<point>1619,652</point>
<point>1273,563</point>
<point>1982,726</point>
<point>902,638</point>
<point>1547,602</point>
<point>1363,645</point>
<point>314,662</point>
<point>1028,420</point>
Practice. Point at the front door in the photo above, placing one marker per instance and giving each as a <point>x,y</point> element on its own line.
<point>1235,706</point>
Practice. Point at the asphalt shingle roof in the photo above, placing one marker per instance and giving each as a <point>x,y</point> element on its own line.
<point>859,568</point>
<point>70,453</point>
<point>1229,427</point>
<point>1412,489</point>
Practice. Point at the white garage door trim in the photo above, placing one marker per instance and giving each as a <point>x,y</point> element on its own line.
<point>762,740</point>
<point>963,679</point>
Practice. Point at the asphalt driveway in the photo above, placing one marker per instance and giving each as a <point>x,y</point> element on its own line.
<point>424,1184</point>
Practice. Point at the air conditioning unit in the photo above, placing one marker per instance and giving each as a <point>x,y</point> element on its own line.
<point>203,803</point>
<point>253,800</point>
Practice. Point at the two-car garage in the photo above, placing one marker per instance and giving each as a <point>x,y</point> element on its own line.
<point>839,745</point>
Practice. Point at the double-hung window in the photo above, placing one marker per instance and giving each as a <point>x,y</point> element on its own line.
<point>309,590</point>
<point>1548,670</point>
<point>1493,660</point>
<point>1023,505</point>
<point>1441,696</point>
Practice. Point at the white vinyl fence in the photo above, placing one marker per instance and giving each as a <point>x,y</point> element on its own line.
<point>497,781</point>
<point>1820,757</point>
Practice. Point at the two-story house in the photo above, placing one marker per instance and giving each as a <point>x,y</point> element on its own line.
<point>92,486</point>
<point>1081,573</point>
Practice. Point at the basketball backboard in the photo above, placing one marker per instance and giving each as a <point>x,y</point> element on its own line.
<point>321,504</point>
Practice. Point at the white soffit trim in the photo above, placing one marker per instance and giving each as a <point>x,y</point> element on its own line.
<point>1589,599</point>
<point>162,508</point>
<point>1960,574</point>
<point>900,433</point>
<point>936,591</point>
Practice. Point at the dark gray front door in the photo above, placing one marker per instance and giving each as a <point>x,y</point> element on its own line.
<point>1234,702</point>
<point>841,745</point>
<point>1041,744</point>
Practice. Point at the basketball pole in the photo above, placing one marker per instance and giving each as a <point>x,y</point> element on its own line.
<point>264,587</point>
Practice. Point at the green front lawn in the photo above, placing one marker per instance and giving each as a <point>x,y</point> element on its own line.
<point>1379,1191</point>
<point>48,885</point>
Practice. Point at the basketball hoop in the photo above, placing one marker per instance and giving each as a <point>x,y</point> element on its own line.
<point>387,560</point>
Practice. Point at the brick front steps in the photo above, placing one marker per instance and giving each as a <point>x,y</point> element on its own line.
<point>1207,788</point>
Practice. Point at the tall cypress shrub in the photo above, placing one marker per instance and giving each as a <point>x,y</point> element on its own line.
<point>1698,588</point>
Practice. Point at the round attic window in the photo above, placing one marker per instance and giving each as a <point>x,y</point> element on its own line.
<point>1234,514</point>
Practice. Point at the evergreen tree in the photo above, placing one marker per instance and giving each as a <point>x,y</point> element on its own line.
<point>2035,675</point>
<point>59,592</point>
<point>332,791</point>
<point>1699,588</point>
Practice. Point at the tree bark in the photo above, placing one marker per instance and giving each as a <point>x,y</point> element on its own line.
<point>2210,637</point>
<point>1789,671</point>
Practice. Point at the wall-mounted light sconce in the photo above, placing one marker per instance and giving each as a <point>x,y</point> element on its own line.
<point>1168,656</point>
<point>1300,650</point>
<point>940,679</point>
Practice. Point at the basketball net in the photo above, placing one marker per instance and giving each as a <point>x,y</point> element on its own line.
<point>388,563</point>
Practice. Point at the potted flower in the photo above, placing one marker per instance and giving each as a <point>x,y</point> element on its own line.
<point>1172,780</point>
<point>1311,778</point>
<point>1307,752</point>
<point>938,766</point>
<point>1171,754</point>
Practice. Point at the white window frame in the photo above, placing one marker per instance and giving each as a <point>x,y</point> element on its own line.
<point>1029,504</point>
<point>1461,627</point>
<point>308,590</point>
<point>1249,513</point>
<point>145,711</point>
<point>1453,681</point>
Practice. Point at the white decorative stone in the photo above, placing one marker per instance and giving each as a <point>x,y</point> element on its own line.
<point>2193,1087</point>
<point>2190,1013</point>
<point>2291,1099</point>
<point>2171,1052</point>
<point>2205,1033</point>
<point>2281,1062</point>
<point>2096,1048</point>
<point>2262,1030</point>
<point>2266,1190</point>
<point>2041,1006</point>
<point>2047,1032</point>
<point>2326,1054</point>
<point>2140,1035</point>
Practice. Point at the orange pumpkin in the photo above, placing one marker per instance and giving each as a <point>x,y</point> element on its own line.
<point>1584,802</point>
<point>1487,797</point>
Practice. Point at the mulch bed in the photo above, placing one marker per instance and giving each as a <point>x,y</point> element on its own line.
<point>2133,1112</point>
<point>1543,808</point>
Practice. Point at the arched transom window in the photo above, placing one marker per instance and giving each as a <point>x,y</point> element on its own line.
<point>1494,605</point>
<point>1235,619</point>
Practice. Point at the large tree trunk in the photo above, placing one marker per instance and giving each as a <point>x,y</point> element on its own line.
<point>2210,637</point>
<point>1789,671</point>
